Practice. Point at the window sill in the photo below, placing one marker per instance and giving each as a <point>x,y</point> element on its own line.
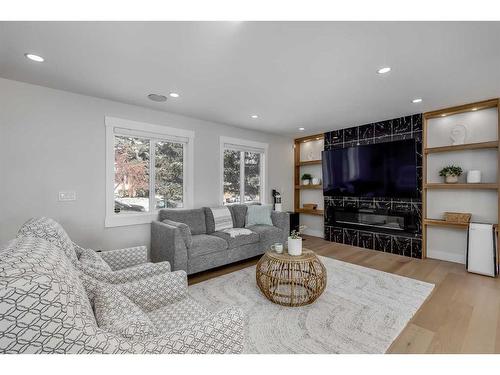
<point>121,220</point>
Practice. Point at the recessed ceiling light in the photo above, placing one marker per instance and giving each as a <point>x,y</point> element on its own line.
<point>302,129</point>
<point>33,57</point>
<point>254,116</point>
<point>417,100</point>
<point>384,70</point>
<point>174,95</point>
<point>443,115</point>
<point>157,98</point>
<point>474,109</point>
<point>318,138</point>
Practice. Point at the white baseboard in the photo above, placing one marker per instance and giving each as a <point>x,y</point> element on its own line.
<point>444,255</point>
<point>314,233</point>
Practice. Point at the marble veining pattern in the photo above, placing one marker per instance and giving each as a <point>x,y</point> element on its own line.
<point>407,127</point>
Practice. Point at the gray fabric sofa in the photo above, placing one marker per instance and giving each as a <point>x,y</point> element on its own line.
<point>188,241</point>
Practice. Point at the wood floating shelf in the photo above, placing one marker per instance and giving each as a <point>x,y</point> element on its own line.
<point>308,162</point>
<point>309,187</point>
<point>443,223</point>
<point>479,186</point>
<point>426,150</point>
<point>298,163</point>
<point>310,212</point>
<point>491,103</point>
<point>469,146</point>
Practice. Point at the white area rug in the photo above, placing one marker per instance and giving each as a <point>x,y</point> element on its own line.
<point>361,310</point>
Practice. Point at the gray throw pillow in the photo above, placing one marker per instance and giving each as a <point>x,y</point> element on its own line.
<point>259,214</point>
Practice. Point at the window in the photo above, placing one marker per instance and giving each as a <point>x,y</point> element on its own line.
<point>242,170</point>
<point>146,170</point>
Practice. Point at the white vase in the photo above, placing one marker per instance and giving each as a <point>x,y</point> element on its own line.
<point>294,246</point>
<point>305,182</point>
<point>316,181</point>
<point>473,177</point>
<point>451,179</point>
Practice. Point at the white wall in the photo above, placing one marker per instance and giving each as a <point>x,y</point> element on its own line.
<point>52,140</point>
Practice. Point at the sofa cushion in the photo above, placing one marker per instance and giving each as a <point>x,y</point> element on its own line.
<point>268,235</point>
<point>115,312</point>
<point>209,220</point>
<point>205,244</point>
<point>90,258</point>
<point>194,218</point>
<point>178,315</point>
<point>259,214</point>
<point>239,212</point>
<point>238,240</point>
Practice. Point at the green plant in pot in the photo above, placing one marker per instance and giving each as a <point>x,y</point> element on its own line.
<point>306,178</point>
<point>451,173</point>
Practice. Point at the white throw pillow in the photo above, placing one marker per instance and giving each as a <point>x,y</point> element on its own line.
<point>115,312</point>
<point>90,258</point>
<point>222,218</point>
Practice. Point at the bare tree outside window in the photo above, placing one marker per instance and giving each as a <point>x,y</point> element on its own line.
<point>131,174</point>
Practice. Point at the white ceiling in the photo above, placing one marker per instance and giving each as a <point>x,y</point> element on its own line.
<point>317,75</point>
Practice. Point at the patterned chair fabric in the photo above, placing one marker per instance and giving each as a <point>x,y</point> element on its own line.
<point>44,308</point>
<point>114,266</point>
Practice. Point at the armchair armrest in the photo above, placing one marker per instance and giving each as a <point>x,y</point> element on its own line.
<point>221,333</point>
<point>128,274</point>
<point>167,243</point>
<point>153,292</point>
<point>281,220</point>
<point>124,258</point>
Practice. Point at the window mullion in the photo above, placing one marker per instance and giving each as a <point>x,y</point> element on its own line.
<point>242,177</point>
<point>152,175</point>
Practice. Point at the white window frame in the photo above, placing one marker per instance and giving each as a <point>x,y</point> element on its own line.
<point>237,144</point>
<point>117,126</point>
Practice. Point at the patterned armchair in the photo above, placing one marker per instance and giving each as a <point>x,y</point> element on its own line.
<point>44,308</point>
<point>114,266</point>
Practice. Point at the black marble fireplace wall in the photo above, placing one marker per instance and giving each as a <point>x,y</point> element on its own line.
<point>408,127</point>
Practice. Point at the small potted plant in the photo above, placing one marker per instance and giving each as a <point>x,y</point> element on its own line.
<point>295,241</point>
<point>451,173</point>
<point>306,179</point>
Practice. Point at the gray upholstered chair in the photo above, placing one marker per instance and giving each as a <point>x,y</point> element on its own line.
<point>45,307</point>
<point>113,266</point>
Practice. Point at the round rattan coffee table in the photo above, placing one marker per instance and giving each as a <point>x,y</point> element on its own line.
<point>291,280</point>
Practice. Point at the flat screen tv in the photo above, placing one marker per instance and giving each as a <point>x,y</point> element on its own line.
<point>379,170</point>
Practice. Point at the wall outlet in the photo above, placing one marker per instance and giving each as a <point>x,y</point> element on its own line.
<point>65,196</point>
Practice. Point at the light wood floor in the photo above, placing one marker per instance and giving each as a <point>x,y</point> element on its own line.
<point>462,315</point>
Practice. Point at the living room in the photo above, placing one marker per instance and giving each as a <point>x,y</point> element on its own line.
<point>242,187</point>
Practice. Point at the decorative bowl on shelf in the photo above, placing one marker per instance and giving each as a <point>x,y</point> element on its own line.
<point>457,217</point>
<point>310,206</point>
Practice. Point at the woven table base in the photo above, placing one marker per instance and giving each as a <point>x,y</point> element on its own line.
<point>291,280</point>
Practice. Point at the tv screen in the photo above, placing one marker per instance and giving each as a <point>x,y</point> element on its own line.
<point>378,170</point>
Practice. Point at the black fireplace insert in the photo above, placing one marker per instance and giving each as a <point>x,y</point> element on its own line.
<point>376,220</point>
